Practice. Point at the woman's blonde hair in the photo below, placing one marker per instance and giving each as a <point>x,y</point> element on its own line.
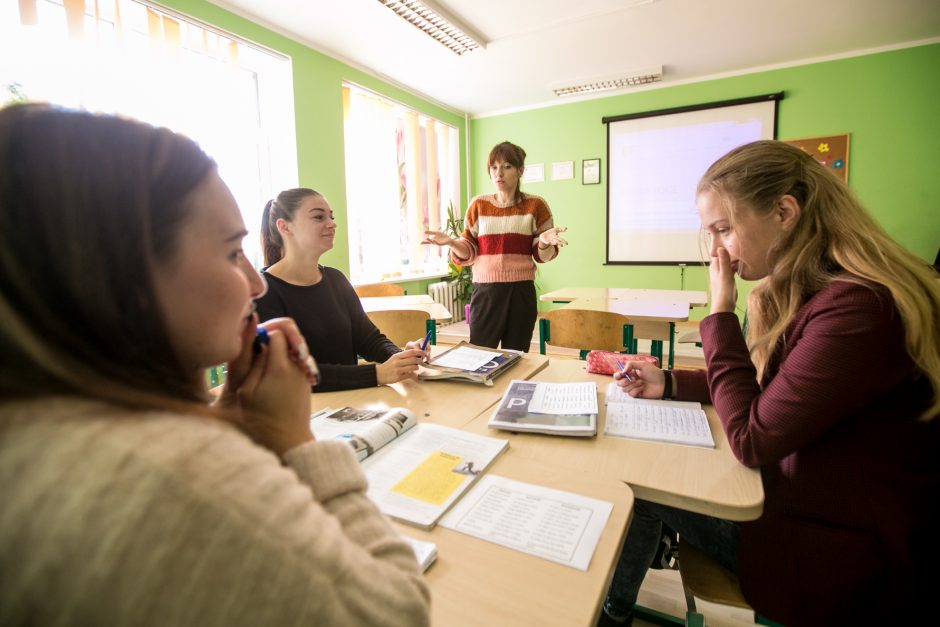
<point>835,238</point>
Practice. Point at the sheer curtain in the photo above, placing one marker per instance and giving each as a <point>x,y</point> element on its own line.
<point>128,57</point>
<point>401,174</point>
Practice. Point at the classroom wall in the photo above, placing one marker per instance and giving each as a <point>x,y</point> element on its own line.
<point>319,116</point>
<point>886,101</point>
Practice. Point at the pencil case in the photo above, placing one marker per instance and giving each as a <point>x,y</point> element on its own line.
<point>605,362</point>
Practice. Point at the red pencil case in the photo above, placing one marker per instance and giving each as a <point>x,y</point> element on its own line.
<point>605,362</point>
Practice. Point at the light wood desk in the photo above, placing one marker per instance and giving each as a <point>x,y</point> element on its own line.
<point>448,403</point>
<point>708,481</point>
<point>477,583</point>
<point>418,302</point>
<point>639,310</point>
<point>694,298</point>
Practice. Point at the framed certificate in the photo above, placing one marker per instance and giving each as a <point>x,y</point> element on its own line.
<point>590,171</point>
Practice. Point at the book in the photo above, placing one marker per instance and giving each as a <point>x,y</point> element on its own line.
<point>425,552</point>
<point>522,409</point>
<point>470,363</point>
<point>552,524</point>
<point>419,475</point>
<point>366,430</point>
<point>676,422</point>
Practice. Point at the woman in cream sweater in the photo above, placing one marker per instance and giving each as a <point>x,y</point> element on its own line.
<point>129,499</point>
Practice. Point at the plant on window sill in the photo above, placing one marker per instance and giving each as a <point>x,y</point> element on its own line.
<point>463,275</point>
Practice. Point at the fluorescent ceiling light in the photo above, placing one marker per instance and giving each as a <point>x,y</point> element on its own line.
<point>641,77</point>
<point>438,23</point>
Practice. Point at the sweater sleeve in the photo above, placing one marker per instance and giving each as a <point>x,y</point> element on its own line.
<point>169,520</point>
<point>543,222</point>
<point>850,352</point>
<point>469,236</point>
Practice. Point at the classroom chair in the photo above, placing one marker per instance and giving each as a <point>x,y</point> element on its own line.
<point>588,329</point>
<point>689,333</point>
<point>404,325</point>
<point>380,289</point>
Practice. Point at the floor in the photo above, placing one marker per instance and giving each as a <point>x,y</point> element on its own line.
<point>662,589</point>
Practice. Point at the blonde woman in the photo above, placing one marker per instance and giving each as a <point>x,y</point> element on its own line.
<point>834,395</point>
<point>127,498</point>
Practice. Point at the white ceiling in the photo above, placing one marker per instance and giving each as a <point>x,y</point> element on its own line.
<point>535,45</point>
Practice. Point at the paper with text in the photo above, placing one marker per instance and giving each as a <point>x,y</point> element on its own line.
<point>559,526</point>
<point>653,421</point>
<point>465,358</point>
<point>564,398</point>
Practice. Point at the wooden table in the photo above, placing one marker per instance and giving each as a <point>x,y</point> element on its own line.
<point>418,302</point>
<point>477,583</point>
<point>639,310</point>
<point>694,298</point>
<point>708,481</point>
<point>448,403</point>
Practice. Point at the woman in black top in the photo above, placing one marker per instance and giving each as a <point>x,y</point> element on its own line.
<point>297,228</point>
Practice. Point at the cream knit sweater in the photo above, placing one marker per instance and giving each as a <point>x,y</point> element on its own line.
<point>110,517</point>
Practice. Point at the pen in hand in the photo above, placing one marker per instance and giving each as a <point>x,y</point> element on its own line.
<point>427,338</point>
<point>624,372</point>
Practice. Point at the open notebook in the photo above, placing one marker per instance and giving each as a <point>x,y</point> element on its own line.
<point>676,422</point>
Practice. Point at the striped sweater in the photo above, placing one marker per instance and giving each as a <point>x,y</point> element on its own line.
<point>503,238</point>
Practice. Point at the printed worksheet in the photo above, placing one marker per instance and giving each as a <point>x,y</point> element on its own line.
<point>559,526</point>
<point>465,358</point>
<point>564,398</point>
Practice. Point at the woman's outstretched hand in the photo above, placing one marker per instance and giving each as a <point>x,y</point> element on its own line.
<point>551,238</point>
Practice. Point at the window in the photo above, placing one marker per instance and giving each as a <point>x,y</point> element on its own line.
<point>401,175</point>
<point>132,58</point>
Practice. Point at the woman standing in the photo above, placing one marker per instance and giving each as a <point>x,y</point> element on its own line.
<point>834,394</point>
<point>297,228</point>
<point>505,234</point>
<point>127,498</point>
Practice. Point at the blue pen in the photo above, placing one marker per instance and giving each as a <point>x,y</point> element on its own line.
<point>624,371</point>
<point>427,338</point>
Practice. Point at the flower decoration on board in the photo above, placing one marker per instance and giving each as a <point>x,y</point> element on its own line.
<point>831,151</point>
<point>822,147</point>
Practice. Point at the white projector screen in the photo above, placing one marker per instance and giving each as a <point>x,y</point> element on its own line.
<point>654,162</point>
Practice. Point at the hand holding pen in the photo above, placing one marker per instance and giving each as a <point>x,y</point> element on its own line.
<point>641,379</point>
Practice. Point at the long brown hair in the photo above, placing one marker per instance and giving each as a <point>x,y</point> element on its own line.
<point>508,152</point>
<point>283,207</point>
<point>834,239</point>
<point>89,204</point>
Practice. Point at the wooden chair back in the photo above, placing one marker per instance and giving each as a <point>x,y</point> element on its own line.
<point>584,329</point>
<point>380,289</point>
<point>401,325</point>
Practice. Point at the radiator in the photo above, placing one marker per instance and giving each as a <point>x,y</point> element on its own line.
<point>445,293</point>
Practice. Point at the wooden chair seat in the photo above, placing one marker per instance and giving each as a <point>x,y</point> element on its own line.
<point>708,580</point>
<point>401,325</point>
<point>379,289</point>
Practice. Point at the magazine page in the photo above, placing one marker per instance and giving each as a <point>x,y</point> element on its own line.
<point>513,413</point>
<point>418,477</point>
<point>366,430</point>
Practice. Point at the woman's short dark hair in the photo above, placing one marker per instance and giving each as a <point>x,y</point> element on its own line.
<point>88,205</point>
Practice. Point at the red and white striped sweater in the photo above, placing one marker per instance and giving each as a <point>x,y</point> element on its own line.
<point>503,238</point>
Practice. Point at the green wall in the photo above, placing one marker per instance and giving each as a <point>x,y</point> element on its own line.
<point>319,114</point>
<point>886,101</point>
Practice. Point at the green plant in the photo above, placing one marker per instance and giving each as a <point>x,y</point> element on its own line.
<point>461,274</point>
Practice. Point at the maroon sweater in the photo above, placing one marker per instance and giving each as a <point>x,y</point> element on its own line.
<point>851,475</point>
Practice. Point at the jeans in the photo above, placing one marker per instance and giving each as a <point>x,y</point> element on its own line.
<point>715,537</point>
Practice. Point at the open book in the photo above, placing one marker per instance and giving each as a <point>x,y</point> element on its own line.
<point>554,408</point>
<point>662,421</point>
<point>420,475</point>
<point>470,363</point>
<point>366,430</point>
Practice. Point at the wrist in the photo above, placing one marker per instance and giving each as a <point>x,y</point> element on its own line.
<point>669,389</point>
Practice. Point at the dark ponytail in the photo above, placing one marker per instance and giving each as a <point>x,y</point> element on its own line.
<point>283,207</point>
